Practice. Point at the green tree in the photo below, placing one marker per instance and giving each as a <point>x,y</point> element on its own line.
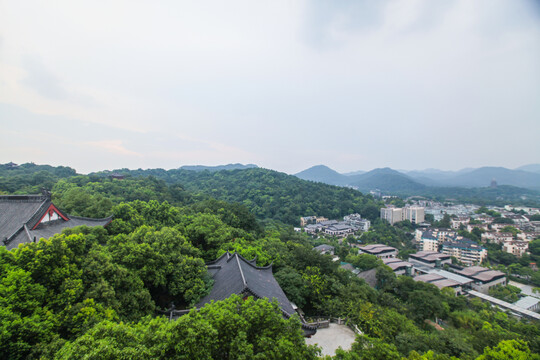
<point>508,350</point>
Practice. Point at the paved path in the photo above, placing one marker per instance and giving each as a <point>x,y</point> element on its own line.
<point>331,338</point>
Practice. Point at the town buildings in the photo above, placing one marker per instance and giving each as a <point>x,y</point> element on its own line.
<point>483,278</point>
<point>465,251</point>
<point>430,259</point>
<point>392,214</point>
<point>516,247</point>
<point>379,250</point>
<point>350,224</point>
<point>440,281</point>
<point>398,266</point>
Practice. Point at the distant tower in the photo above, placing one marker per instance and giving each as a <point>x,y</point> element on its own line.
<point>493,183</point>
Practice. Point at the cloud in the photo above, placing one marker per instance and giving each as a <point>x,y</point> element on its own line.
<point>349,83</point>
<point>42,80</point>
<point>114,147</point>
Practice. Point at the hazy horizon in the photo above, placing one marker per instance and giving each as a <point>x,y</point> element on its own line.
<point>355,85</point>
<point>264,167</point>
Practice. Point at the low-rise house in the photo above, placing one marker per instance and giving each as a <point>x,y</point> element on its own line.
<point>357,221</point>
<point>369,276</point>
<point>306,220</point>
<point>379,250</point>
<point>497,227</point>
<point>516,247</point>
<point>324,249</point>
<point>483,227</point>
<point>313,228</point>
<point>485,219</point>
<point>461,220</point>
<point>518,220</point>
<point>430,259</point>
<point>339,229</point>
<point>497,237</point>
<point>349,267</point>
<point>528,235</point>
<point>483,278</point>
<point>439,281</point>
<point>327,223</point>
<point>398,266</point>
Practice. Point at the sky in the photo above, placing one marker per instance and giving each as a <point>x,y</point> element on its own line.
<point>352,84</point>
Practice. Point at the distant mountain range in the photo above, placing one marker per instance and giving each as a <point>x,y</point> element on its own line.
<point>390,180</point>
<point>218,167</point>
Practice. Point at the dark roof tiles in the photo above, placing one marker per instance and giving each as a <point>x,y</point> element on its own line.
<point>20,216</point>
<point>236,275</point>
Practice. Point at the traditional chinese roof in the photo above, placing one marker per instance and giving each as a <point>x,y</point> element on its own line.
<point>233,274</point>
<point>27,218</point>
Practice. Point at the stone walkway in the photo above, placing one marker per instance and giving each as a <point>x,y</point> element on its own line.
<point>331,338</point>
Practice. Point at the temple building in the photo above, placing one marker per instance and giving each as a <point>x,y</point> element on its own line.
<point>233,274</point>
<point>28,218</point>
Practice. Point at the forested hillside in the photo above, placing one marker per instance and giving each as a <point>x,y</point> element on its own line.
<point>31,178</point>
<point>100,293</point>
<point>270,194</point>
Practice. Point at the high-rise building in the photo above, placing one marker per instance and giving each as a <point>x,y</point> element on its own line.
<point>392,214</point>
<point>414,214</point>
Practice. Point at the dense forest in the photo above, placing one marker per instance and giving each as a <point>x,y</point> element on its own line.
<point>270,194</point>
<point>101,293</point>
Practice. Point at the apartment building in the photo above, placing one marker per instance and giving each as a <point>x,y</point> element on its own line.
<point>465,250</point>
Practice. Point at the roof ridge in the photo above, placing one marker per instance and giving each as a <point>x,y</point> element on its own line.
<point>88,218</point>
<point>241,271</point>
<point>34,218</point>
<point>254,265</point>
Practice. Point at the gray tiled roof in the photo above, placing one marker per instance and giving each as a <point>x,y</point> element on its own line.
<point>370,276</point>
<point>324,247</point>
<point>15,211</point>
<point>233,274</point>
<point>19,215</point>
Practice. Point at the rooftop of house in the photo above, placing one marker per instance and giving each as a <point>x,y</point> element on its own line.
<point>377,248</point>
<point>233,274</point>
<point>369,276</point>
<point>429,256</point>
<point>22,219</point>
<point>463,244</point>
<point>396,264</point>
<point>339,227</point>
<point>324,247</point>
<point>437,280</point>
<point>480,273</point>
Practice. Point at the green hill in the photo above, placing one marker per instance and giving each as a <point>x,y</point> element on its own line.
<point>270,194</point>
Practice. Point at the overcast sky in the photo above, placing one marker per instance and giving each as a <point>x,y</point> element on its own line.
<point>354,85</point>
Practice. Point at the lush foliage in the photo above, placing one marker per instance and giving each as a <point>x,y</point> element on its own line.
<point>270,194</point>
<point>31,178</point>
<point>100,293</point>
<point>229,329</point>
